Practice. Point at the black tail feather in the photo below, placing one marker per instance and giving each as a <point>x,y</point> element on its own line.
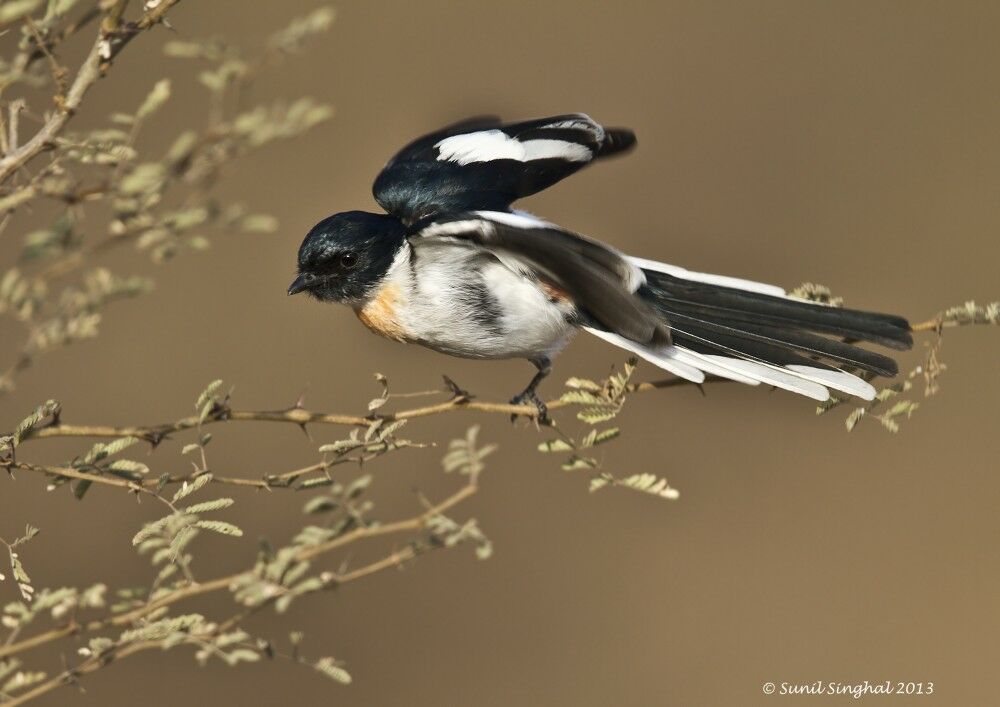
<point>616,140</point>
<point>709,318</point>
<point>707,341</point>
<point>778,346</point>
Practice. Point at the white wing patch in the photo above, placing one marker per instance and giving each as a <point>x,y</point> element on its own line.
<point>452,228</point>
<point>517,219</point>
<point>484,223</point>
<point>488,145</point>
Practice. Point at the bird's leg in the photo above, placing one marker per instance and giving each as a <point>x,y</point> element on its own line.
<point>528,395</point>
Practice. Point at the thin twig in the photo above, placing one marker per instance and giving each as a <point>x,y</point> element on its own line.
<point>96,662</point>
<point>298,416</point>
<point>106,46</point>
<point>189,591</point>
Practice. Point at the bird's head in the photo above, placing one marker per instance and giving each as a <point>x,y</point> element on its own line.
<point>345,256</point>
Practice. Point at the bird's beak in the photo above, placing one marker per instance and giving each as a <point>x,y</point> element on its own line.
<point>298,285</point>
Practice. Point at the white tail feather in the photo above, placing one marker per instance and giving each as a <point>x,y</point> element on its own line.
<point>720,280</point>
<point>678,368</point>
<point>754,373</point>
<point>693,366</point>
<point>776,376</point>
<point>838,380</point>
<point>702,362</point>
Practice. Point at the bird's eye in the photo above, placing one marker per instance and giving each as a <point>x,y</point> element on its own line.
<point>349,260</point>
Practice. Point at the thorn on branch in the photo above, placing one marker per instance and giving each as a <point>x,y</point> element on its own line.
<point>458,394</point>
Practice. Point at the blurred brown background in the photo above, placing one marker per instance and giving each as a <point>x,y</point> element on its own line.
<point>849,143</point>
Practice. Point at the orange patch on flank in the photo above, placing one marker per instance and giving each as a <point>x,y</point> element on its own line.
<point>552,292</point>
<point>379,314</point>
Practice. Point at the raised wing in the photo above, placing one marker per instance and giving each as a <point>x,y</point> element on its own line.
<point>482,163</point>
<point>601,282</point>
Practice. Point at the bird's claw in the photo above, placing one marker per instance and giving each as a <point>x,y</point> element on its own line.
<point>531,397</point>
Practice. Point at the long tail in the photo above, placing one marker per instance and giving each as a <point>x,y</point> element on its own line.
<point>755,333</point>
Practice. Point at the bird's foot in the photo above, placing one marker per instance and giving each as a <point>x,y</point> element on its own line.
<point>529,396</point>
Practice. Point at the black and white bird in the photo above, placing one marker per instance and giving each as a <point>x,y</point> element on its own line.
<point>453,267</point>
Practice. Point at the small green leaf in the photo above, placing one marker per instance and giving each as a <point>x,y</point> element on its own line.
<point>156,98</point>
<point>245,655</point>
<point>555,445</point>
<point>206,506</point>
<point>583,384</point>
<point>16,9</point>
<point>341,446</point>
<point>855,417</point>
<point>329,667</point>
<point>576,462</point>
<point>597,483</point>
<point>128,466</point>
<point>315,482</point>
<point>142,179</point>
<point>150,529</point>
<point>189,487</point>
<point>181,540</point>
<point>651,484</point>
<point>320,504</point>
<point>208,394</point>
<point>259,223</point>
<point>182,149</point>
<point>606,435</point>
<point>358,486</point>
<point>595,415</point>
<point>580,397</point>
<point>221,527</point>
<point>23,679</point>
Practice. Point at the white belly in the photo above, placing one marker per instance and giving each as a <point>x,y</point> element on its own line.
<point>466,303</point>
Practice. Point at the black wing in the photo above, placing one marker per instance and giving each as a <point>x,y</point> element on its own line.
<point>482,163</point>
<point>599,280</point>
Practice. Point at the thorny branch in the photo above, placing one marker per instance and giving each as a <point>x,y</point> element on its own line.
<point>112,38</point>
<point>331,579</point>
<point>276,579</point>
<point>155,434</point>
<point>56,287</point>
